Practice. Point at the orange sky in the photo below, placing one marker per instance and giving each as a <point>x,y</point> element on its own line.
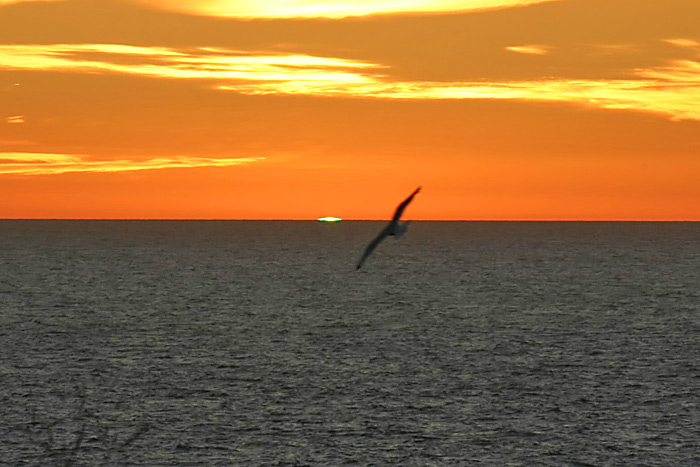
<point>215,109</point>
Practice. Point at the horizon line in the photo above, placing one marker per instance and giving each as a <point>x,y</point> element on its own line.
<point>188,219</point>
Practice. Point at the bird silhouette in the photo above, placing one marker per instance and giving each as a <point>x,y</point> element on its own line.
<point>394,228</point>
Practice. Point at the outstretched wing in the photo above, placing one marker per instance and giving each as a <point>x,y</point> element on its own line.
<point>370,248</point>
<point>402,206</point>
<point>388,230</point>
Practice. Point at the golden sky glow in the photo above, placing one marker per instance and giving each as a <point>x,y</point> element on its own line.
<point>500,109</point>
<point>329,8</point>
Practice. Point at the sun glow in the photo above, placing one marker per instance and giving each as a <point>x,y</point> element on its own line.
<point>329,9</point>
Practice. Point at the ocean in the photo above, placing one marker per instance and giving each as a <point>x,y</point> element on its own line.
<point>217,343</point>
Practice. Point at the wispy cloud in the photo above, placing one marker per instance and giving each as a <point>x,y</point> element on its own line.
<point>673,90</point>
<point>200,63</point>
<point>329,8</point>
<point>24,163</point>
<point>678,72</point>
<point>529,49</point>
<point>8,2</point>
<point>15,119</point>
<point>680,42</point>
<point>613,49</point>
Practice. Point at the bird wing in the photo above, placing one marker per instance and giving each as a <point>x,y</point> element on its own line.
<point>373,244</point>
<point>402,206</point>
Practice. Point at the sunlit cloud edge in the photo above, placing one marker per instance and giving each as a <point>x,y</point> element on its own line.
<point>23,163</point>
<point>289,9</point>
<point>683,42</point>
<point>672,90</point>
<point>10,2</point>
<point>199,63</point>
<point>529,49</point>
<point>15,119</point>
<point>677,100</point>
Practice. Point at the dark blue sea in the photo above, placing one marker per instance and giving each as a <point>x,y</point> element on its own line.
<point>218,343</point>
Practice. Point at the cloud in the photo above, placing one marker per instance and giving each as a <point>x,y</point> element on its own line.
<point>329,8</point>
<point>677,72</point>
<point>23,163</point>
<point>8,2</point>
<point>672,90</point>
<point>198,63</point>
<point>683,42</point>
<point>15,119</point>
<point>529,49</point>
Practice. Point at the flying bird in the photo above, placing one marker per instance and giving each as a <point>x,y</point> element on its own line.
<point>393,228</point>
